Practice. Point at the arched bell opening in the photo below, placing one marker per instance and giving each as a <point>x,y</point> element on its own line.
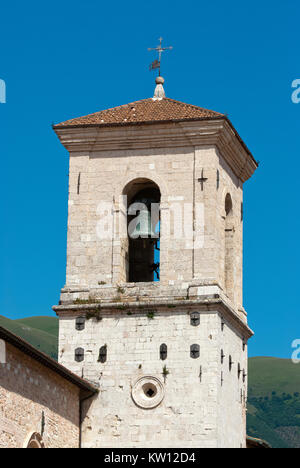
<point>143,228</point>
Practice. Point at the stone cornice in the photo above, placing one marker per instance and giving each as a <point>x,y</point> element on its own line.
<point>217,132</point>
<point>204,304</point>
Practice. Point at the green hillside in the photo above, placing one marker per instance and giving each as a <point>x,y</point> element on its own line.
<point>274,384</point>
<point>269,374</point>
<point>40,332</point>
<point>46,324</point>
<point>274,401</point>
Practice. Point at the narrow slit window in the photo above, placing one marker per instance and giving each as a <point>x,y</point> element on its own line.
<point>102,354</point>
<point>163,352</point>
<point>79,354</point>
<point>80,323</point>
<point>195,319</point>
<point>195,351</point>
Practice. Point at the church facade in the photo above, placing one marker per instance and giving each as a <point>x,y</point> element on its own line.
<point>152,309</point>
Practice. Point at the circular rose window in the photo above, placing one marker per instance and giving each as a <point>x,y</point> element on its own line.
<point>148,392</point>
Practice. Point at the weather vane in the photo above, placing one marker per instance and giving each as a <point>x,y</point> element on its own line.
<point>159,49</point>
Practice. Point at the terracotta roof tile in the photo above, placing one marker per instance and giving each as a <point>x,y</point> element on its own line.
<point>146,110</point>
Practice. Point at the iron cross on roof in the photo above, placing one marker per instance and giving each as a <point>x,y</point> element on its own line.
<point>202,180</point>
<point>159,49</point>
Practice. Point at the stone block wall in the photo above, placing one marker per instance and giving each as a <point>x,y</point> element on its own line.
<point>194,402</point>
<point>34,399</point>
<point>232,389</point>
<point>100,177</point>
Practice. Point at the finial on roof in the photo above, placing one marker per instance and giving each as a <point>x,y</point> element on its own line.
<point>159,92</point>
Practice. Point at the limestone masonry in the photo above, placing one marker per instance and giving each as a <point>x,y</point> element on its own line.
<point>169,355</point>
<point>39,399</point>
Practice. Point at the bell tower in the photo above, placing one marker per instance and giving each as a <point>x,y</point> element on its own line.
<point>152,309</point>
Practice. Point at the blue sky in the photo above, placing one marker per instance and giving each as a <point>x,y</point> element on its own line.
<point>65,59</point>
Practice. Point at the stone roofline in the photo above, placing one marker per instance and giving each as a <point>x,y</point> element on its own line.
<point>87,389</point>
<point>210,131</point>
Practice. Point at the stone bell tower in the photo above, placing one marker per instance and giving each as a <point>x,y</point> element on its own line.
<point>152,309</point>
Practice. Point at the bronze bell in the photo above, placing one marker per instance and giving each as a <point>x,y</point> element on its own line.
<point>143,227</point>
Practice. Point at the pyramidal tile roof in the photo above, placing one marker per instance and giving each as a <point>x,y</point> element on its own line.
<point>144,111</point>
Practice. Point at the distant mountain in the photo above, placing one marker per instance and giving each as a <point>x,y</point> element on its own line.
<point>274,401</point>
<point>40,332</point>
<point>274,384</point>
<point>46,324</point>
<point>268,374</point>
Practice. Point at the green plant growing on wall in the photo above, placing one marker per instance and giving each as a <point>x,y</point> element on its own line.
<point>81,301</point>
<point>90,300</point>
<point>93,314</point>
<point>116,299</point>
<point>165,372</point>
<point>122,307</point>
<point>150,315</point>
